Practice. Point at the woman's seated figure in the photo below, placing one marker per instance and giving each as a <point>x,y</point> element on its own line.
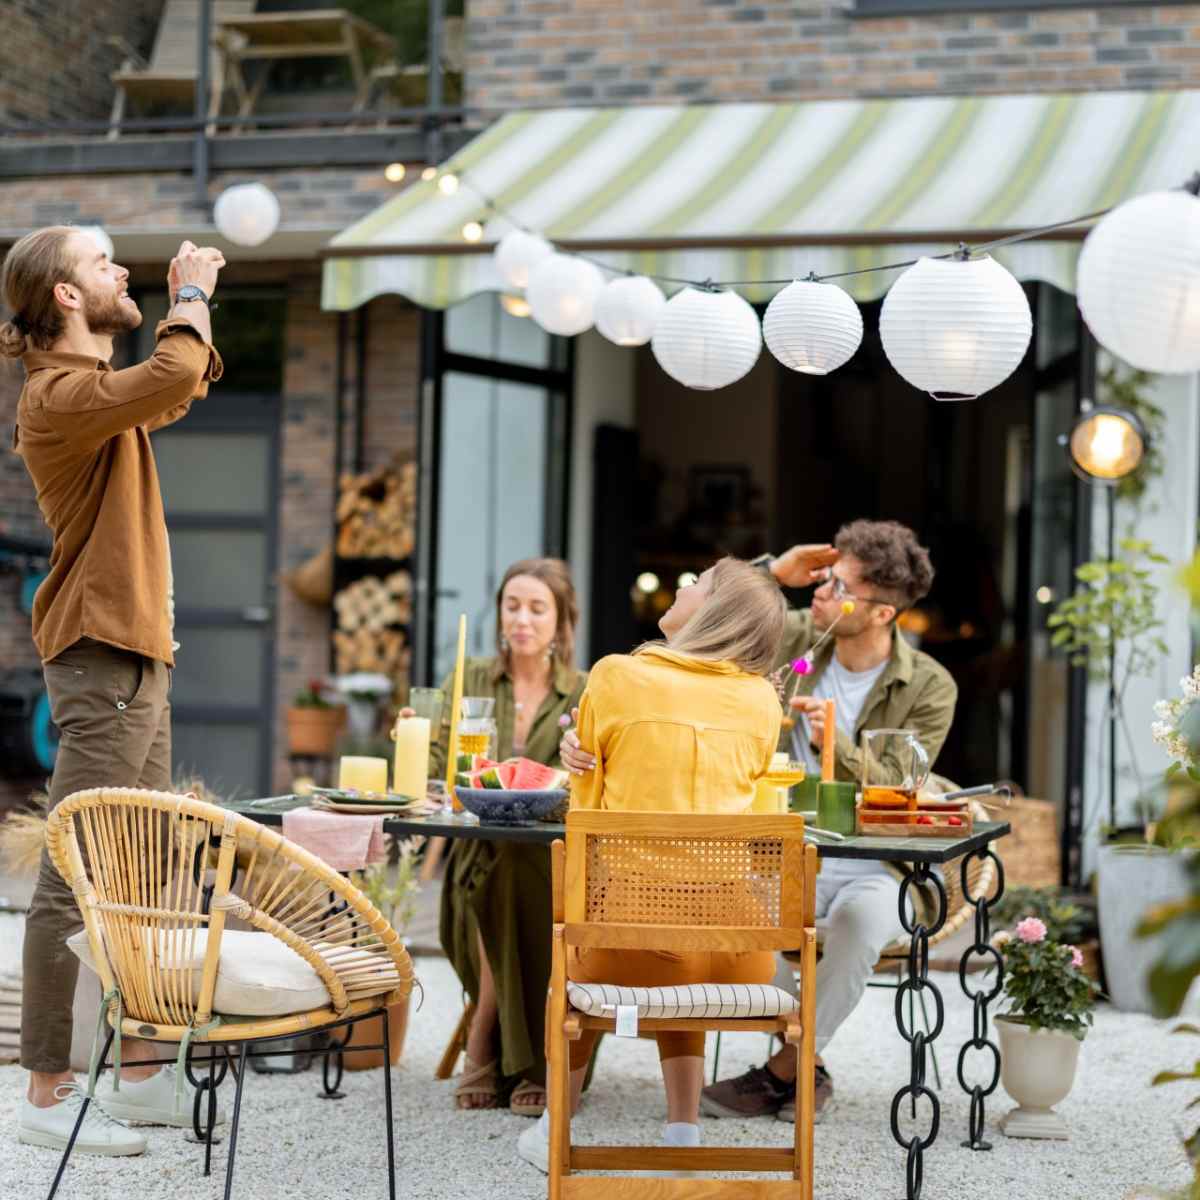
<point>682,725</point>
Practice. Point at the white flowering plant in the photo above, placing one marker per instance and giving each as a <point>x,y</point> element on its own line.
<point>363,685</point>
<point>1177,729</point>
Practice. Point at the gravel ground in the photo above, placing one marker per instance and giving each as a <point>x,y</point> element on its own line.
<point>295,1145</point>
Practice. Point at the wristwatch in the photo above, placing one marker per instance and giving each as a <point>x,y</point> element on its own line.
<point>763,562</point>
<point>190,291</point>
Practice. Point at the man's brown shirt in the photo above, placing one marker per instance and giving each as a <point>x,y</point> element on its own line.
<point>83,430</point>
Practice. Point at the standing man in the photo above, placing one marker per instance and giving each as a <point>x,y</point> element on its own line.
<point>102,619</point>
<point>877,681</point>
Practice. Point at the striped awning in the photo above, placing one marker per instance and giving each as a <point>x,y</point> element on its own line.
<point>773,191</point>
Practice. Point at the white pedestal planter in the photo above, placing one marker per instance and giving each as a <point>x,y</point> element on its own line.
<point>1132,879</point>
<point>1037,1071</point>
<point>363,717</point>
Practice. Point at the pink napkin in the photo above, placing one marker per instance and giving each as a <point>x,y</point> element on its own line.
<point>344,841</point>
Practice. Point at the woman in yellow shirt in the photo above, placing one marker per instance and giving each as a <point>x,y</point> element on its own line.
<point>683,725</point>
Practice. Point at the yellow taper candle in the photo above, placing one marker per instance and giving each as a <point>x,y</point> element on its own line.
<point>364,774</point>
<point>456,711</point>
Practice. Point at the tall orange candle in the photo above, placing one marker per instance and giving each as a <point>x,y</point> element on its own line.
<point>455,712</point>
<point>828,742</point>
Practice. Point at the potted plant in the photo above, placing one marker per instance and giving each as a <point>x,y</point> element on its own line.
<point>314,720</point>
<point>1051,1002</point>
<point>363,692</point>
<point>1110,625</point>
<point>1067,919</point>
<point>392,887</point>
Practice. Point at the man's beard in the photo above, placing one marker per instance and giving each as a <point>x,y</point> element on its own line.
<point>107,315</point>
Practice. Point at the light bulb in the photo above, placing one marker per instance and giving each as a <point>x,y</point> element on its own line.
<point>429,173</point>
<point>1045,594</point>
<point>1107,442</point>
<point>472,231</point>
<point>648,582</point>
<point>448,184</point>
<point>395,172</point>
<point>687,579</point>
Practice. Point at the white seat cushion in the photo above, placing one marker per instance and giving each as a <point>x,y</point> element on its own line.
<point>699,1000</point>
<point>257,974</point>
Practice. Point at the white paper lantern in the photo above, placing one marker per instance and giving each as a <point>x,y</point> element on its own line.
<point>812,327</point>
<point>517,254</point>
<point>98,235</point>
<point>955,328</point>
<point>628,310</point>
<point>562,294</point>
<point>707,340</point>
<point>1139,282</point>
<point>247,214</point>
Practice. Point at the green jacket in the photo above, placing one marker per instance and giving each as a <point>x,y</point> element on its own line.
<point>914,692</point>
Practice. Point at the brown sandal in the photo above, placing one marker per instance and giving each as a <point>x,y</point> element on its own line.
<point>523,1102</point>
<point>476,1082</point>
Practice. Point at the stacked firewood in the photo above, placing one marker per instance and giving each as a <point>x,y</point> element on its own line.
<point>368,613</point>
<point>376,513</point>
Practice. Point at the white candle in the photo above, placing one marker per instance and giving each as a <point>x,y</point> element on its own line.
<point>365,774</point>
<point>411,773</point>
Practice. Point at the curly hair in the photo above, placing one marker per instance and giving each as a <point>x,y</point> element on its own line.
<point>893,562</point>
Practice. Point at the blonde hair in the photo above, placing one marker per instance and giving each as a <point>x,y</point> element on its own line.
<point>32,268</point>
<point>556,575</point>
<point>741,620</point>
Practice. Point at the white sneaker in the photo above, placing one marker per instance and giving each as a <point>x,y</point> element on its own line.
<point>99,1133</point>
<point>151,1101</point>
<point>534,1147</point>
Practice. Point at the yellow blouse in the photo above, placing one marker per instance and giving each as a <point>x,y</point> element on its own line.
<point>674,734</point>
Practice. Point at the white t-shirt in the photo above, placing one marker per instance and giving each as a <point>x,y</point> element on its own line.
<point>848,690</point>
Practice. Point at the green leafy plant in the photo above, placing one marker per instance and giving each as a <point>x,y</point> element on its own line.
<point>1064,920</point>
<point>1113,609</point>
<point>316,694</point>
<point>392,886</point>
<point>1044,982</point>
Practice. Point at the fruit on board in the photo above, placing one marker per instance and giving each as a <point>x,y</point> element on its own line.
<point>924,819</point>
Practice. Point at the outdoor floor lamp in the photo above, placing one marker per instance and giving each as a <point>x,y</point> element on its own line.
<point>1106,445</point>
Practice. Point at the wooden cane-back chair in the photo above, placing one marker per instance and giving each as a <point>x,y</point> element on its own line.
<point>138,864</point>
<point>682,883</point>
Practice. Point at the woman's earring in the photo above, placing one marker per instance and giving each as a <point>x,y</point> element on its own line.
<point>503,644</point>
<point>550,652</point>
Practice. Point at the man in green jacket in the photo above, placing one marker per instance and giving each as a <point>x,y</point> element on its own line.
<point>877,681</point>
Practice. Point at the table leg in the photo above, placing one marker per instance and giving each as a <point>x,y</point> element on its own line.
<point>981,998</point>
<point>918,875</point>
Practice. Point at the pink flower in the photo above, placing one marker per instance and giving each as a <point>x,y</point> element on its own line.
<point>1076,956</point>
<point>1031,930</point>
<point>564,722</point>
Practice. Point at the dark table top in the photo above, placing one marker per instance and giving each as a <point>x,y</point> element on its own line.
<point>270,810</point>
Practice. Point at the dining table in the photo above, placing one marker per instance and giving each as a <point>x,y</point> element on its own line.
<point>922,861</point>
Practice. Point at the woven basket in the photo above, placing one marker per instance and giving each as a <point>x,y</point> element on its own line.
<point>312,581</point>
<point>1031,853</point>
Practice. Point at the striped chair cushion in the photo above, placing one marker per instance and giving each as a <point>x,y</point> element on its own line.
<point>694,1000</point>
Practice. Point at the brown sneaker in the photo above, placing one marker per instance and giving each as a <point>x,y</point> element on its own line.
<point>822,1099</point>
<point>756,1094</point>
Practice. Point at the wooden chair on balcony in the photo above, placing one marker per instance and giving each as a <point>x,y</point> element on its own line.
<point>168,80</point>
<point>318,955</point>
<point>682,883</point>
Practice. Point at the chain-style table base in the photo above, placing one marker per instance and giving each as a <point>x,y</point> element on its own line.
<point>980,998</point>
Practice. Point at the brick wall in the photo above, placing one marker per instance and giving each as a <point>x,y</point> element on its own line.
<point>608,52</point>
<point>55,61</point>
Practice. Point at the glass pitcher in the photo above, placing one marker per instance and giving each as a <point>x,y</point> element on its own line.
<point>477,733</point>
<point>894,768</point>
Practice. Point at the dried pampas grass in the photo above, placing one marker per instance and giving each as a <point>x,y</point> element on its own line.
<point>23,833</point>
<point>22,836</point>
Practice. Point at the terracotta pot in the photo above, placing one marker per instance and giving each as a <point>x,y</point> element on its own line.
<point>370,1033</point>
<point>314,731</point>
<point>1037,1070</point>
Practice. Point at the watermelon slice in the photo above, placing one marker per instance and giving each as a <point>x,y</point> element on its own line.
<point>514,774</point>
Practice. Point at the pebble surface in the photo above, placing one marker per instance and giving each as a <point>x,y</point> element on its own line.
<point>295,1145</point>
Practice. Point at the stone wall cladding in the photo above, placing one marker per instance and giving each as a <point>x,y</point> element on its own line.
<point>55,60</point>
<point>611,52</point>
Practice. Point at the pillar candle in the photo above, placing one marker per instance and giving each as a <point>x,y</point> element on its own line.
<point>828,742</point>
<point>411,772</point>
<point>455,711</point>
<point>365,774</point>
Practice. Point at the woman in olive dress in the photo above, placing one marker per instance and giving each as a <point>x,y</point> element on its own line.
<point>496,905</point>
